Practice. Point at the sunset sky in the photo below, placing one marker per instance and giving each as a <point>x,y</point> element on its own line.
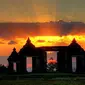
<point>41,10</point>
<point>44,34</point>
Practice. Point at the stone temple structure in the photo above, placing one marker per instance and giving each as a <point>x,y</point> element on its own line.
<point>65,54</point>
<point>38,58</point>
<point>74,50</point>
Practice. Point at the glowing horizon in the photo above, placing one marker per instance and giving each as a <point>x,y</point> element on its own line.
<point>39,41</point>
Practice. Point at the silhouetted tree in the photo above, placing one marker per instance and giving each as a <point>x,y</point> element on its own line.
<point>3,69</point>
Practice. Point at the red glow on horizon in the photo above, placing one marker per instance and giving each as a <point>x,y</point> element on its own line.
<point>39,41</point>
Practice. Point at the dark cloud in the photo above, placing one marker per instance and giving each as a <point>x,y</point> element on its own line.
<point>13,30</point>
<point>41,41</point>
<point>12,42</point>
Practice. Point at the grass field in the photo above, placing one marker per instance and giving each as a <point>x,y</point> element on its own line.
<point>43,79</point>
<point>42,82</point>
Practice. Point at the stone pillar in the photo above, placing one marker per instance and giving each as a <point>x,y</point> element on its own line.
<point>33,64</point>
<point>10,67</point>
<point>18,66</point>
<point>80,64</point>
<point>23,65</point>
<point>39,63</point>
<point>43,62</point>
<point>61,59</point>
<point>69,63</point>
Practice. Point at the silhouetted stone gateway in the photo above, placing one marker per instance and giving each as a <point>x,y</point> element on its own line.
<point>39,58</point>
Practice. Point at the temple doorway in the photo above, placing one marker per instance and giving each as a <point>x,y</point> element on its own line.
<point>74,64</point>
<point>51,60</point>
<point>14,67</point>
<point>29,64</point>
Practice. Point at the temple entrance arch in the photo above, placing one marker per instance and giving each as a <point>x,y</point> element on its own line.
<point>29,64</point>
<point>74,63</point>
<point>38,63</point>
<point>52,51</point>
<point>51,61</point>
<point>15,66</point>
<point>33,64</point>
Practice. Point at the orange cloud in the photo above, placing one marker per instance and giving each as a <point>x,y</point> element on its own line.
<point>41,41</point>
